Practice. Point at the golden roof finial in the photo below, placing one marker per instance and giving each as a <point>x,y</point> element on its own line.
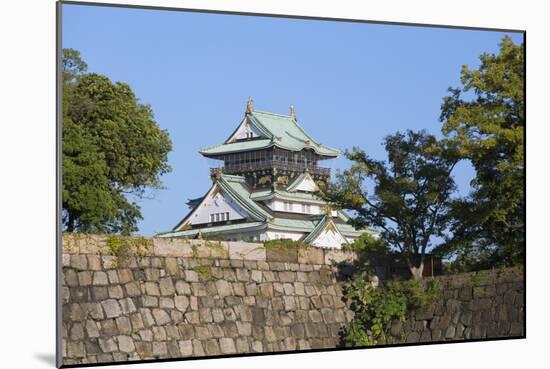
<point>292,112</point>
<point>219,172</point>
<point>250,105</point>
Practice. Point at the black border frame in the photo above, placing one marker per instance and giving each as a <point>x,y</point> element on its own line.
<point>58,156</point>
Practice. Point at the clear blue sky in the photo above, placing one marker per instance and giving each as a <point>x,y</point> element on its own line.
<point>352,84</point>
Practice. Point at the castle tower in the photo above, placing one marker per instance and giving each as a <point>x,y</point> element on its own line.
<point>266,185</point>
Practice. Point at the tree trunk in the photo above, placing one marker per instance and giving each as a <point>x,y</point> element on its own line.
<point>70,223</point>
<point>417,271</point>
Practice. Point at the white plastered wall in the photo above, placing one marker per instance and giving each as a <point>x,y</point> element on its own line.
<point>278,205</point>
<point>307,185</point>
<point>329,238</point>
<point>218,203</point>
<point>244,132</point>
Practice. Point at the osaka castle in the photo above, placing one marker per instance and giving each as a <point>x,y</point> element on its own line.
<point>265,187</point>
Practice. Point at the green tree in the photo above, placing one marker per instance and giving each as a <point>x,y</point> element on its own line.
<point>411,195</point>
<point>112,148</point>
<point>485,119</point>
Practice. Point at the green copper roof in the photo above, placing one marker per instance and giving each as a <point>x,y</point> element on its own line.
<point>319,228</point>
<point>215,229</point>
<point>285,195</point>
<point>279,130</point>
<point>290,225</point>
<point>237,147</point>
<point>291,187</point>
<point>259,217</point>
<point>235,186</point>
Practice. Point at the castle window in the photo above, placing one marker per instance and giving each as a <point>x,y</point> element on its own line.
<point>211,218</point>
<point>227,216</point>
<point>217,217</point>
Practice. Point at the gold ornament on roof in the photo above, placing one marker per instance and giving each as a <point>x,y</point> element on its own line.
<point>250,105</point>
<point>292,112</point>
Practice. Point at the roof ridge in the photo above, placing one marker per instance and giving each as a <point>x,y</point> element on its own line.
<point>233,176</point>
<point>271,113</point>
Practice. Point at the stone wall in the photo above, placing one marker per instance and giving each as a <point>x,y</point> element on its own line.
<point>180,298</point>
<point>482,305</point>
<point>139,299</point>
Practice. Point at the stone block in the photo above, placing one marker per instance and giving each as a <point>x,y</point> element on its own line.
<point>413,337</point>
<point>242,345</point>
<point>166,287</point>
<point>149,301</point>
<point>79,294</point>
<point>171,266</point>
<point>282,254</point>
<point>183,288</point>
<point>152,274</point>
<point>159,333</point>
<point>166,303</point>
<point>161,317</point>
<point>123,325</point>
<point>266,289</point>
<point>243,275</point>
<point>336,257</point>
<point>311,255</point>
<point>70,278</point>
<point>186,347</point>
<point>100,279</point>
<point>258,316</point>
<point>111,308</point>
<point>126,344</point>
<point>152,288</point>
<point>315,316</point>
<point>191,276</point>
<point>227,346</point>
<point>127,305</point>
<point>247,251</point>
<point>450,332</point>
<point>160,349</point>
<point>256,276</point>
<point>144,349</point>
<point>181,303</point>
<point>132,289</point>
<point>84,278</point>
<point>107,344</point>
<point>115,292</point>
<point>211,347</point>
<point>224,288</point>
<point>172,247</point>
<point>287,277</point>
<point>289,303</point>
<point>79,262</point>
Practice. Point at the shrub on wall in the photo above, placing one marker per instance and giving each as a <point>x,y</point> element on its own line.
<point>376,308</point>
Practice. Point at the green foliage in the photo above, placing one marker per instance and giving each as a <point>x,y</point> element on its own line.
<point>376,308</point>
<point>488,129</point>
<point>411,197</point>
<point>371,252</point>
<point>73,65</point>
<point>417,293</point>
<point>125,247</point>
<point>204,272</point>
<point>285,244</point>
<point>366,243</point>
<point>112,148</point>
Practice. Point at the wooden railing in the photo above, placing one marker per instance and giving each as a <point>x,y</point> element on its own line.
<point>245,167</point>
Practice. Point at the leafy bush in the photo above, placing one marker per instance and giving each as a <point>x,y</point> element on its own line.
<point>284,243</point>
<point>376,308</point>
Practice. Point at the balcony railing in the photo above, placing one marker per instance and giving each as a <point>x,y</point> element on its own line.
<point>263,165</point>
